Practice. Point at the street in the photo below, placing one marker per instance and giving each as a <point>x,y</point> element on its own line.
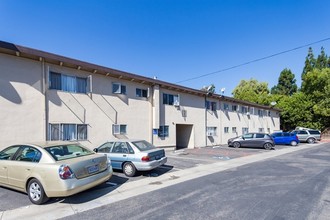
<point>292,185</point>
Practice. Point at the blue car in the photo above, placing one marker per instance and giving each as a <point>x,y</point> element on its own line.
<point>285,138</point>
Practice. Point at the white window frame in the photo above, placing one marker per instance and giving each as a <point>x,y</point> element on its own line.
<point>226,130</point>
<point>120,90</point>
<point>119,129</point>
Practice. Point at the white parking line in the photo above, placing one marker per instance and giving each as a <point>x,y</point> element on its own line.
<point>112,184</point>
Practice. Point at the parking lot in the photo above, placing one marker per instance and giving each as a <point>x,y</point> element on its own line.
<point>187,158</point>
<point>177,160</point>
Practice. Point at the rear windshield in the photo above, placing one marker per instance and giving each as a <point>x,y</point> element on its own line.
<point>63,152</point>
<point>143,145</point>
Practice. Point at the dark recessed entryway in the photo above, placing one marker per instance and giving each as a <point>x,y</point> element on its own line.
<point>184,136</point>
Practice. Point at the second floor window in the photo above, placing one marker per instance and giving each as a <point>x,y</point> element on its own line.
<point>169,99</point>
<point>67,83</point>
<point>141,93</point>
<point>118,88</point>
<point>211,106</point>
<point>244,109</point>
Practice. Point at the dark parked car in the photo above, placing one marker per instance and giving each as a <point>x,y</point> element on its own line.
<point>285,138</point>
<point>252,140</point>
<point>308,135</point>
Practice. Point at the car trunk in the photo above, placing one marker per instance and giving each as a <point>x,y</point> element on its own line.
<point>87,165</point>
<point>155,154</point>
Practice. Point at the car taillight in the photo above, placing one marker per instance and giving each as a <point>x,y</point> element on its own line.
<point>145,158</point>
<point>65,172</point>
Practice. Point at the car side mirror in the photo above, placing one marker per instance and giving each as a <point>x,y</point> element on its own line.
<point>243,138</point>
<point>95,150</point>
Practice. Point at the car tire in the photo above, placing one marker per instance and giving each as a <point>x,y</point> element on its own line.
<point>293,143</point>
<point>311,140</point>
<point>268,146</point>
<point>236,145</point>
<point>36,192</point>
<point>129,169</point>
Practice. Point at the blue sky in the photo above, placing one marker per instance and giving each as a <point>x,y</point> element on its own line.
<point>175,40</point>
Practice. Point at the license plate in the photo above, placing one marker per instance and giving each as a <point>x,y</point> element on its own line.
<point>93,169</point>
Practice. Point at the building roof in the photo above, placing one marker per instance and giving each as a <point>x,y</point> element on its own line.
<point>33,54</point>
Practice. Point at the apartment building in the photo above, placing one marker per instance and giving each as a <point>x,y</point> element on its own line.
<point>44,96</point>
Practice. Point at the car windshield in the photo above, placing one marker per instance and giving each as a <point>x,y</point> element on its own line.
<point>143,145</point>
<point>63,152</point>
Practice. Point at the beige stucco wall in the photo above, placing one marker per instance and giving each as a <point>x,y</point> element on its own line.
<point>170,115</point>
<point>101,109</point>
<point>24,109</point>
<point>21,101</point>
<point>252,121</point>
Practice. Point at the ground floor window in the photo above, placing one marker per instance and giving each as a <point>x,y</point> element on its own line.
<point>163,131</point>
<point>119,129</point>
<point>261,130</point>
<point>233,130</point>
<point>67,132</point>
<point>211,131</point>
<point>226,129</point>
<point>245,130</point>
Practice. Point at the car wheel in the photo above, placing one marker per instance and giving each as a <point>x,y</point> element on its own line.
<point>36,192</point>
<point>293,143</point>
<point>236,145</point>
<point>311,140</point>
<point>268,146</point>
<point>129,169</point>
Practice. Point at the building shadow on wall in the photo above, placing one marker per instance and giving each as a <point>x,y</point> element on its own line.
<point>8,92</point>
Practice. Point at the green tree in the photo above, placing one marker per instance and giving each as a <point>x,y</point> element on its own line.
<point>252,91</point>
<point>296,110</point>
<point>286,84</point>
<point>322,60</point>
<point>309,66</point>
<point>317,85</point>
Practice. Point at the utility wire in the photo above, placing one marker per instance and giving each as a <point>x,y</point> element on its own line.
<point>253,61</point>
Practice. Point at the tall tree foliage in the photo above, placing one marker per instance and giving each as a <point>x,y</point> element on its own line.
<point>253,91</point>
<point>309,107</point>
<point>286,84</point>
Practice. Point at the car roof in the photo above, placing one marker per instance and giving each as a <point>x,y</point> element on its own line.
<point>125,140</point>
<point>44,144</point>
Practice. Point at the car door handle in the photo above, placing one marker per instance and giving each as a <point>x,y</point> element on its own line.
<point>28,169</point>
<point>124,155</point>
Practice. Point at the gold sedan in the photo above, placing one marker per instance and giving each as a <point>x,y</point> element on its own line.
<point>52,169</point>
